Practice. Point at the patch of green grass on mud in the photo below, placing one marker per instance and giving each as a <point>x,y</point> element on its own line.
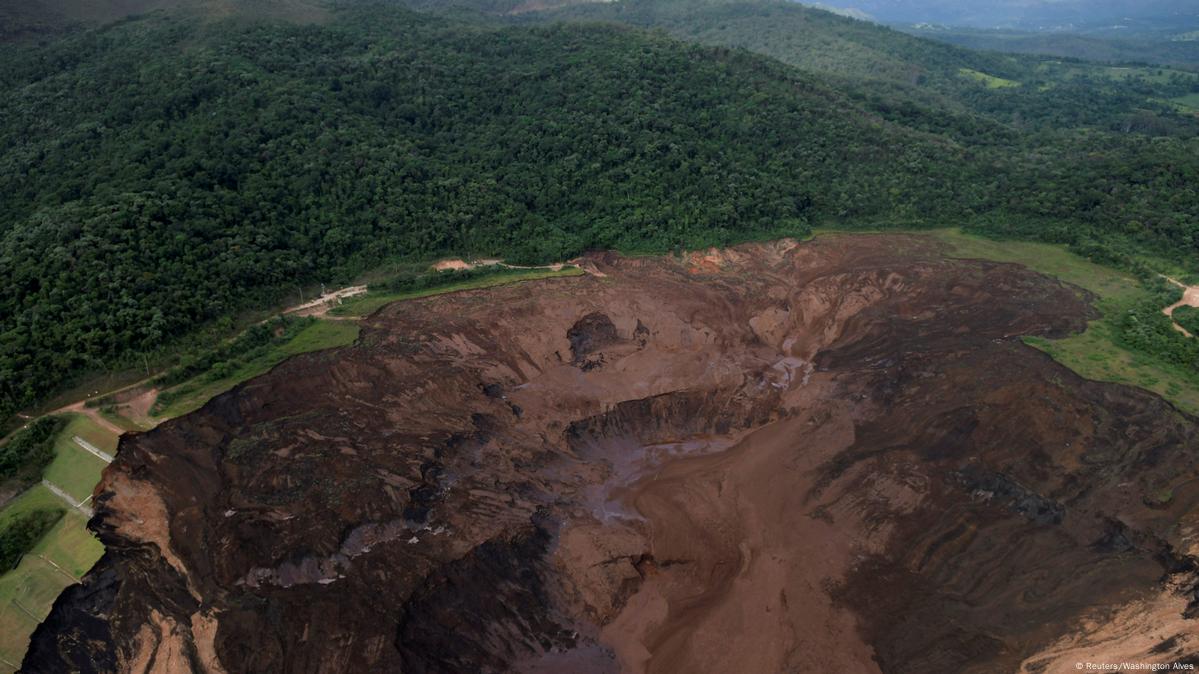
<point>58,560</point>
<point>1094,354</point>
<point>322,334</point>
<point>367,304</point>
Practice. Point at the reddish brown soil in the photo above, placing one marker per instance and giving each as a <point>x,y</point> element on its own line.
<point>829,457</point>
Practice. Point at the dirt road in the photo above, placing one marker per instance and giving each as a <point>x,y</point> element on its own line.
<point>1190,298</point>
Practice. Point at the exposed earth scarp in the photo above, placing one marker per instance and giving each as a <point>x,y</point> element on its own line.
<point>835,456</point>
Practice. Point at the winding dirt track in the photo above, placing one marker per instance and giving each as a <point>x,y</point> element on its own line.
<point>830,456</point>
<point>1190,298</point>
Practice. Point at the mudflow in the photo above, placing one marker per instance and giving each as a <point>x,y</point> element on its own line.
<point>835,456</point>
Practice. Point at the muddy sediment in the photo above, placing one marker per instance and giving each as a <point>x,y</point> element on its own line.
<point>830,456</point>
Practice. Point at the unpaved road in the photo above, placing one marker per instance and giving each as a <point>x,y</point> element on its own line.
<point>1190,298</point>
<point>321,305</point>
<point>93,413</point>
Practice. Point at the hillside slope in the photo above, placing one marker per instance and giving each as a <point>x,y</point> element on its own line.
<point>1158,49</point>
<point>894,72</point>
<point>146,188</point>
<point>164,172</point>
<point>46,19</point>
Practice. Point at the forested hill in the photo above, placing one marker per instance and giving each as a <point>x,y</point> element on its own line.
<point>905,77</point>
<point>1155,48</point>
<point>162,172</point>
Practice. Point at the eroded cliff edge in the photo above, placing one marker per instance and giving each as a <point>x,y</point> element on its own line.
<point>830,456</point>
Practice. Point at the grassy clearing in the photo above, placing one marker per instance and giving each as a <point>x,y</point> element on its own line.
<point>1094,354</point>
<point>33,586</point>
<point>15,628</point>
<point>191,394</point>
<point>120,420</point>
<point>989,81</point>
<point>1152,74</point>
<point>70,545</point>
<point>34,498</point>
<point>74,469</point>
<point>367,304</point>
<point>1189,102</point>
<point>84,427</point>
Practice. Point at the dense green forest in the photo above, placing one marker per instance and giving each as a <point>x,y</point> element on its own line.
<point>1188,318</point>
<point>898,74</point>
<point>161,173</point>
<point>1137,48</point>
<point>21,532</point>
<point>29,450</point>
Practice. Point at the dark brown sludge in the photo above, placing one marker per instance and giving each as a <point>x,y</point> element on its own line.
<point>836,456</point>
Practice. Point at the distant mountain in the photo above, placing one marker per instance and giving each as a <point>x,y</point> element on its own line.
<point>848,12</point>
<point>906,79</point>
<point>31,18</point>
<point>1181,52</point>
<point>1027,14</point>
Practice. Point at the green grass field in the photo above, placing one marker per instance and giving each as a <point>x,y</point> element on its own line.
<point>1152,74</point>
<point>74,469</point>
<point>1189,102</point>
<point>121,421</point>
<point>989,81</point>
<point>319,335</point>
<point>1093,354</point>
<point>63,555</point>
<point>37,497</point>
<point>364,305</point>
<point>70,545</point>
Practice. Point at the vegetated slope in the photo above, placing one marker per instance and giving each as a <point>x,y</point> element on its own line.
<point>165,171</point>
<point>45,19</point>
<point>895,72</point>
<point>1091,15</point>
<point>1070,45</point>
<point>162,172</point>
<point>1080,153</point>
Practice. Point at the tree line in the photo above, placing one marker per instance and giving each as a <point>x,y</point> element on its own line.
<point>148,191</point>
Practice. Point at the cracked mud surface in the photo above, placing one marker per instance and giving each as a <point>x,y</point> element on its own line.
<point>831,456</point>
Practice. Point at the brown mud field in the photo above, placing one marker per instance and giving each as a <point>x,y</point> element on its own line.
<point>835,456</point>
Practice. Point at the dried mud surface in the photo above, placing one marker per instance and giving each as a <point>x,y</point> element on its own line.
<point>835,456</point>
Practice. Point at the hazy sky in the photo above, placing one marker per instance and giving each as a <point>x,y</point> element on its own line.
<point>1022,13</point>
